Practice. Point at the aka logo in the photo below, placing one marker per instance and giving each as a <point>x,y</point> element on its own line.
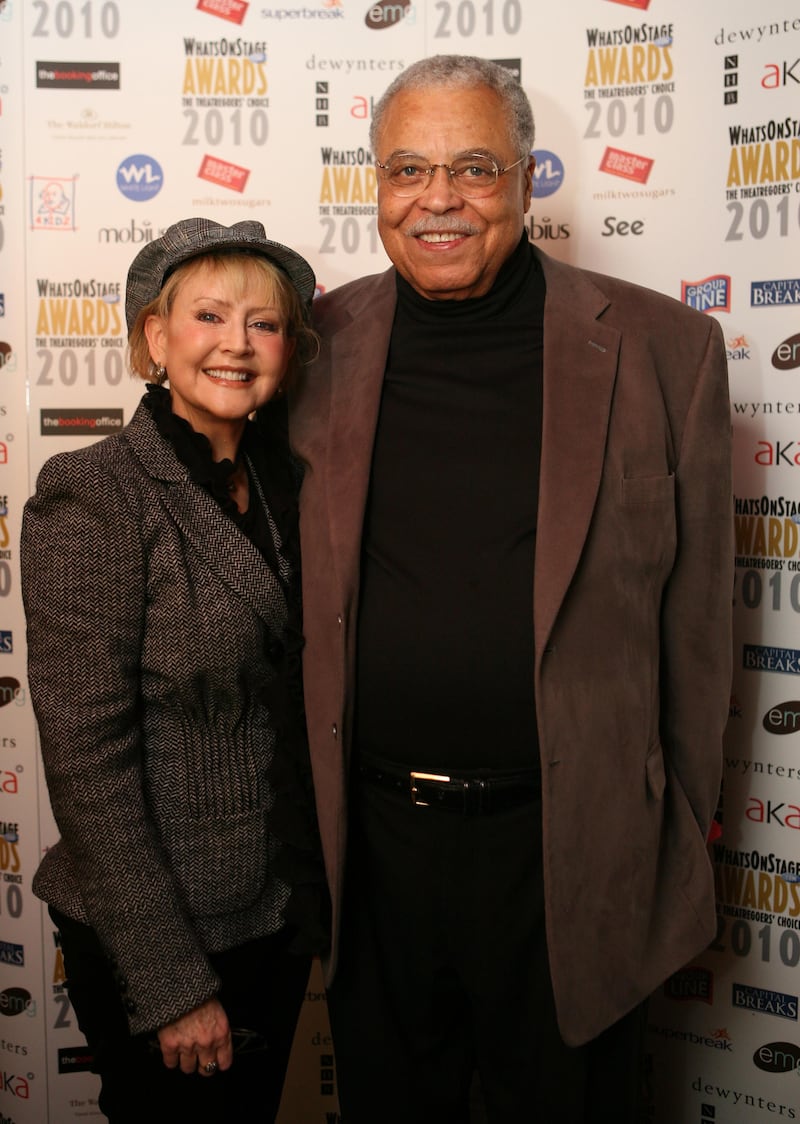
<point>781,74</point>
<point>14,1085</point>
<point>779,814</point>
<point>140,177</point>
<point>387,13</point>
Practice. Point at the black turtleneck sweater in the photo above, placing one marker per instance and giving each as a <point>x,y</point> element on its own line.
<point>445,630</point>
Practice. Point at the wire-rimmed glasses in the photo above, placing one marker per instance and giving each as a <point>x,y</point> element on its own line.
<point>473,176</point>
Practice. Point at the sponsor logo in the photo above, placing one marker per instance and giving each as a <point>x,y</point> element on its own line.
<point>132,234</point>
<point>388,13</point>
<point>7,361</point>
<point>731,80</point>
<point>2,304</point>
<point>223,173</point>
<point>786,356</point>
<point>75,1059</point>
<point>781,74</point>
<point>88,122</point>
<point>16,1001</point>
<point>233,10</point>
<point>737,348</point>
<point>79,423</point>
<point>763,657</point>
<point>6,641</point>
<point>11,691</point>
<point>52,202</point>
<point>643,4</point>
<point>543,230</point>
<point>548,174</point>
<point>765,294</point>
<point>693,982</point>
<point>77,75</point>
<point>139,177</point>
<point>626,164</point>
<point>712,294</point>
<point>718,1040</point>
<point>612,225</point>
<point>11,953</point>
<point>14,1085</point>
<point>779,813</point>
<point>777,1057</point>
<point>763,1001</point>
<point>783,718</point>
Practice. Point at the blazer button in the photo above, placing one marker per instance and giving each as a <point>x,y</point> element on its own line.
<point>130,1007</point>
<point>335,730</point>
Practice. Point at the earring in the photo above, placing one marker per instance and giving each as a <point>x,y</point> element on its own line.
<point>161,373</point>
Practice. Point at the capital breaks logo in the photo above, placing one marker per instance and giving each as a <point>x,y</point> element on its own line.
<point>51,201</point>
<point>774,294</point>
<point>764,1002</point>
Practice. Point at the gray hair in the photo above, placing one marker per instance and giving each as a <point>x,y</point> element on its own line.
<point>466,71</point>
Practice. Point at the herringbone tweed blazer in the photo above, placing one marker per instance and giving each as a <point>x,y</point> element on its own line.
<point>150,620</point>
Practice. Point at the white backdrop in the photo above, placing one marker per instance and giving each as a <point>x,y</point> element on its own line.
<point>668,145</point>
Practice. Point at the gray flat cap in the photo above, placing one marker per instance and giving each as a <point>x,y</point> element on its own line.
<point>191,237</point>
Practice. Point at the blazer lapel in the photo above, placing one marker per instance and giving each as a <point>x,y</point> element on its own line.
<point>214,536</point>
<point>580,364</point>
<point>357,362</point>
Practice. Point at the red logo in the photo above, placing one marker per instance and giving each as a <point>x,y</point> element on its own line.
<point>643,4</point>
<point>626,164</point>
<point>224,174</point>
<point>233,10</point>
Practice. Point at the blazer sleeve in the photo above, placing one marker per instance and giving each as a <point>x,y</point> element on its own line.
<point>84,591</point>
<point>695,672</point>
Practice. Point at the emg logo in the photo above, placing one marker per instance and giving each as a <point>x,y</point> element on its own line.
<point>777,1057</point>
<point>783,718</point>
<point>140,177</point>
<point>387,13</point>
<point>548,175</point>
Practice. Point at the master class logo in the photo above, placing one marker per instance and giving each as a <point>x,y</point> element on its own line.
<point>77,75</point>
<point>548,174</point>
<point>771,294</point>
<point>232,10</point>
<point>712,294</point>
<point>388,13</point>
<point>140,177</point>
<point>764,1002</point>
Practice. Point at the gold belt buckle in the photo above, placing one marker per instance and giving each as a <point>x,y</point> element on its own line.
<point>414,777</point>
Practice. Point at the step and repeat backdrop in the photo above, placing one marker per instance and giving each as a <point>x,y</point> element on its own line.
<point>668,152</point>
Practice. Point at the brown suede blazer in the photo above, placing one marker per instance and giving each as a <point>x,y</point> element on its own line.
<point>632,614</point>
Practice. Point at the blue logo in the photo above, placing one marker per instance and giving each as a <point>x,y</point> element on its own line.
<point>6,641</point>
<point>764,1001</point>
<point>140,178</point>
<point>762,657</point>
<point>773,294</point>
<point>12,954</point>
<point>548,175</point>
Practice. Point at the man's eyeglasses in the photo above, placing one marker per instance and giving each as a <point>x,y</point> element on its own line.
<point>473,177</point>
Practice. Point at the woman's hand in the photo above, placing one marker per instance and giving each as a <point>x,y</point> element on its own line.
<point>198,1041</point>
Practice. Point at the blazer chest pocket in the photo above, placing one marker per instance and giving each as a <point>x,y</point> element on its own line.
<point>222,866</point>
<point>646,490</point>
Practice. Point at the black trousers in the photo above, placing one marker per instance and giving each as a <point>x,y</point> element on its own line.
<point>444,975</point>
<point>262,991</point>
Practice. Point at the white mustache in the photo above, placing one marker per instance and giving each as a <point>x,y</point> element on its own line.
<point>444,224</point>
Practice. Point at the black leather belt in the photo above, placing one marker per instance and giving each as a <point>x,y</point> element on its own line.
<point>478,794</point>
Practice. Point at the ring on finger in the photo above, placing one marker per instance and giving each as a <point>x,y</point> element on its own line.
<point>210,1068</point>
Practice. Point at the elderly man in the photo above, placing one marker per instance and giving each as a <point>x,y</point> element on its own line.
<point>517,567</point>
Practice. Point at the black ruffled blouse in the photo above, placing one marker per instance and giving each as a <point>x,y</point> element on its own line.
<point>274,478</point>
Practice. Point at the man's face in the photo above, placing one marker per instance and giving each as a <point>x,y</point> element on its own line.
<point>447,247</point>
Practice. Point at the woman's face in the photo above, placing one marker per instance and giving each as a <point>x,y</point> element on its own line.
<point>224,345</point>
